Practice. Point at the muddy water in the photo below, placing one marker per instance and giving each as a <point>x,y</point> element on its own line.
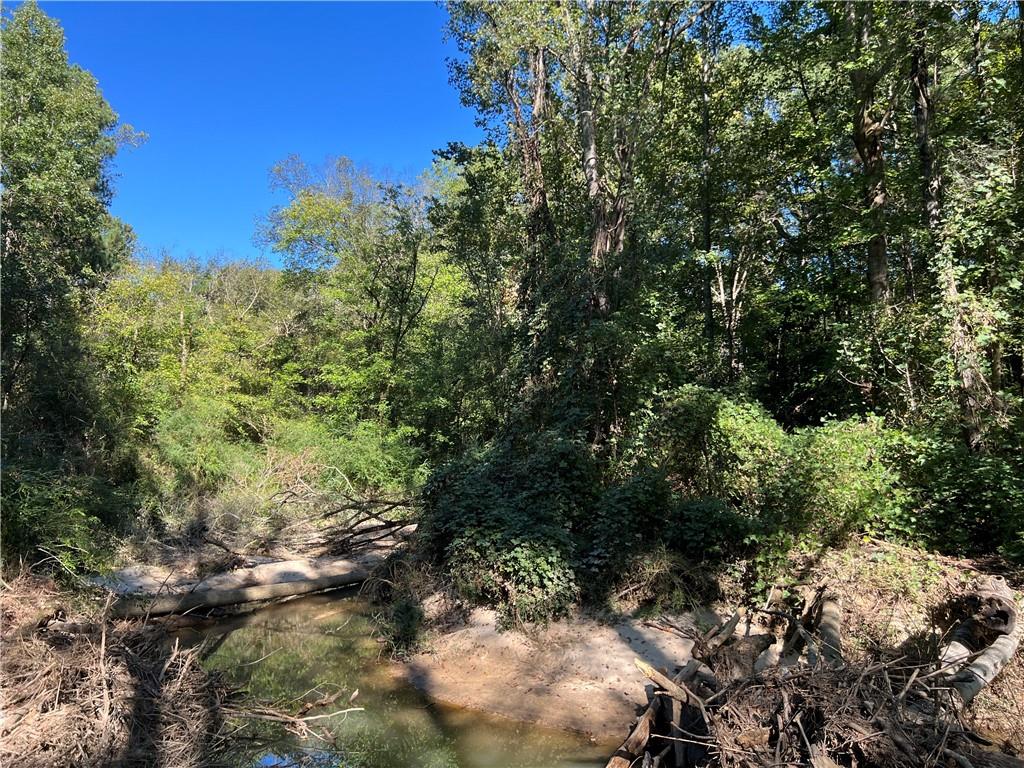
<point>325,643</point>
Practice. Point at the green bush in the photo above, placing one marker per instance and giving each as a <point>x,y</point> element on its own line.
<point>744,488</point>
<point>709,478</point>
<point>957,500</point>
<point>713,447</point>
<point>366,455</point>
<point>837,481</point>
<point>50,514</point>
<point>619,527</point>
<point>500,521</point>
<point>531,526</point>
<point>191,440</point>
<point>709,529</point>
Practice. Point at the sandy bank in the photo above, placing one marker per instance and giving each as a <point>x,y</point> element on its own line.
<point>575,674</point>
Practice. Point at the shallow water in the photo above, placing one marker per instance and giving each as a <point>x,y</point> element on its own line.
<point>326,643</point>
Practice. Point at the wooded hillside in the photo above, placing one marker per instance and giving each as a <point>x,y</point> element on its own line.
<point>724,279</point>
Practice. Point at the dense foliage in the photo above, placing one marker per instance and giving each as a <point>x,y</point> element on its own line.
<point>724,280</point>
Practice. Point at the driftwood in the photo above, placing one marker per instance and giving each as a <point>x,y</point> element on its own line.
<point>346,527</point>
<point>829,630</point>
<point>991,635</point>
<point>266,582</point>
<point>637,740</point>
<point>804,703</point>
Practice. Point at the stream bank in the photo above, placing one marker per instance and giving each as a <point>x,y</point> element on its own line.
<point>326,645</point>
<point>472,697</point>
<point>897,603</point>
<point>576,674</point>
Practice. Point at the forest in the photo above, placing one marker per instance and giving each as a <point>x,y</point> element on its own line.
<point>725,283</point>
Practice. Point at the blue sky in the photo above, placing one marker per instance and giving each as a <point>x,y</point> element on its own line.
<point>225,90</point>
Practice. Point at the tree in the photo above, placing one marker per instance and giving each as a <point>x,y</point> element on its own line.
<point>58,237</point>
<point>593,73</point>
<point>362,253</point>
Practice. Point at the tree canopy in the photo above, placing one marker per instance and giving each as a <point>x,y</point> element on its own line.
<point>730,278</point>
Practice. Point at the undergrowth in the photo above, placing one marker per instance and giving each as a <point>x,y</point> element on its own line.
<point>708,485</point>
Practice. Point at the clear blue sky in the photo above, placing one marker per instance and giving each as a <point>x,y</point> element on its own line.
<point>224,90</point>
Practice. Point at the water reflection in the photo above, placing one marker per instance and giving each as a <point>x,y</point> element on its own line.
<point>321,645</point>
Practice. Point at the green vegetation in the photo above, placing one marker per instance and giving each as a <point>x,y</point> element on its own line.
<point>724,281</point>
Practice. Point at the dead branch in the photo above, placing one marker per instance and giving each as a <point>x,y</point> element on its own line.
<point>800,701</point>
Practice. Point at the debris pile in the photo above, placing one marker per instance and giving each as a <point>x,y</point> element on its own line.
<point>79,691</point>
<point>795,699</point>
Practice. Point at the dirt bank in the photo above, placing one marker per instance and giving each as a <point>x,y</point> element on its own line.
<point>576,674</point>
<point>579,673</point>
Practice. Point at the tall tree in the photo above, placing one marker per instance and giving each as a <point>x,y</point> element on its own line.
<point>872,58</point>
<point>57,234</point>
<point>592,72</point>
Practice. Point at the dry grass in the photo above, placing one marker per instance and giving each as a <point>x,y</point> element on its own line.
<point>77,691</point>
<point>901,601</point>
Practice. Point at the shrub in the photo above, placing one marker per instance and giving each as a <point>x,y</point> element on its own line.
<point>367,454</point>
<point>63,516</point>
<point>958,500</point>
<point>621,524</point>
<point>500,522</point>
<point>744,488</point>
<point>837,481</point>
<point>712,447</point>
<point>191,441</point>
<point>709,529</point>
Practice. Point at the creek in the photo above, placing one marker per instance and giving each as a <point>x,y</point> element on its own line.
<point>326,643</point>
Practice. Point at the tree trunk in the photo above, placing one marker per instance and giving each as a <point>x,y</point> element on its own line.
<point>973,391</point>
<point>867,138</point>
<point>706,211</point>
<point>285,579</point>
<point>540,225</point>
<point>606,230</point>
<point>867,134</point>
<point>931,181</point>
<point>600,240</point>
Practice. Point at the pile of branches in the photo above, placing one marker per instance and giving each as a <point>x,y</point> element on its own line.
<point>344,525</point>
<point>357,524</point>
<point>82,690</point>
<point>91,693</point>
<point>794,699</point>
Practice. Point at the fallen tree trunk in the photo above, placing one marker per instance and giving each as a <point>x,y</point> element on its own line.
<point>830,631</point>
<point>287,579</point>
<point>991,633</point>
<point>971,679</point>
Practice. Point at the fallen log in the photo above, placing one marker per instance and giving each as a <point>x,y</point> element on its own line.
<point>721,634</point>
<point>286,579</point>
<point>637,739</point>
<point>973,677</point>
<point>676,689</point>
<point>636,742</point>
<point>991,631</point>
<point>830,630</point>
